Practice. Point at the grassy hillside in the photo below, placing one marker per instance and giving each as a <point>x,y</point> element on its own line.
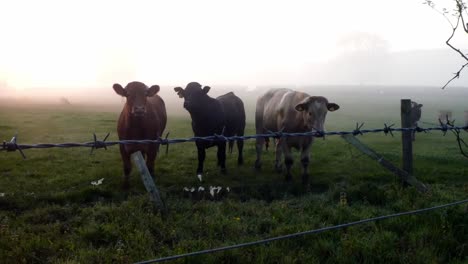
<point>50,212</point>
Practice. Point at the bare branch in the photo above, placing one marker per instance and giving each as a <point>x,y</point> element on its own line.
<point>460,141</point>
<point>454,29</point>
<point>443,12</point>
<point>457,75</point>
<point>461,7</point>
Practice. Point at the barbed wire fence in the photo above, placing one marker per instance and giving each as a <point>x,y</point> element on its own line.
<point>13,144</point>
<point>406,178</point>
<point>444,127</point>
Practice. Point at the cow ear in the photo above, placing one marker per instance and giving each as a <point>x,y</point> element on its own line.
<point>119,90</point>
<point>206,89</point>
<point>420,105</point>
<point>332,107</point>
<point>301,107</point>
<point>179,91</point>
<point>152,90</point>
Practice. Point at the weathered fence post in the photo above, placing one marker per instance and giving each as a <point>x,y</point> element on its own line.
<point>405,177</point>
<point>150,186</point>
<point>406,136</point>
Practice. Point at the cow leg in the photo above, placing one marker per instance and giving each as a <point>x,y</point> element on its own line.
<point>222,156</point>
<point>305,159</point>
<point>279,153</point>
<point>288,160</point>
<point>240,147</point>
<point>259,147</point>
<point>127,167</point>
<point>201,157</point>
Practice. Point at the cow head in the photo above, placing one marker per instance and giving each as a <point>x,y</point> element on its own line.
<point>193,95</point>
<point>314,109</point>
<point>136,94</point>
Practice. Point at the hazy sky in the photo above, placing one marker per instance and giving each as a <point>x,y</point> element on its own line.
<point>95,43</point>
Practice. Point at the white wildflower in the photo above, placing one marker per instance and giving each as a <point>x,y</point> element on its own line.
<point>192,189</point>
<point>186,189</point>
<point>98,182</point>
<point>2,194</point>
<point>199,177</point>
<point>228,189</point>
<point>212,191</point>
<point>201,189</point>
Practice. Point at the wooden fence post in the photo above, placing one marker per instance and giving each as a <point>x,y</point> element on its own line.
<point>405,177</point>
<point>150,186</point>
<point>406,136</point>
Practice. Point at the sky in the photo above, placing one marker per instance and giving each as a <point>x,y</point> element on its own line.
<point>67,45</point>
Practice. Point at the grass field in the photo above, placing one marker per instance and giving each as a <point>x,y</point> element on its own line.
<point>50,212</point>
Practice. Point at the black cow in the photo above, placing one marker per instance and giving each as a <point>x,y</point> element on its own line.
<point>223,115</point>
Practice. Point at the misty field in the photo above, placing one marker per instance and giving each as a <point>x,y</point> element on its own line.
<point>51,213</point>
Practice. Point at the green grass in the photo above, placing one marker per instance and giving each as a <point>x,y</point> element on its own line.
<point>50,212</point>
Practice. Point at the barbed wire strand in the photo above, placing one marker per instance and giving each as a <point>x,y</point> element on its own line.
<point>315,231</point>
<point>96,144</point>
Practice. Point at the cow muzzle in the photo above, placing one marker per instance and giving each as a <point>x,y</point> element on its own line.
<point>139,111</point>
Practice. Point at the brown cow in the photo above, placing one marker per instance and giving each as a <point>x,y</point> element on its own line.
<point>143,117</point>
<point>292,112</point>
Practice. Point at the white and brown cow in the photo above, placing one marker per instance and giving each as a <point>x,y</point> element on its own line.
<point>290,111</point>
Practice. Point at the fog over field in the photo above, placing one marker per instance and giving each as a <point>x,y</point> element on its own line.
<point>362,60</point>
<point>77,51</point>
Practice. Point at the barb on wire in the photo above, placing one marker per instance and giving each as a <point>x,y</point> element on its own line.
<point>166,143</point>
<point>275,134</point>
<point>358,131</point>
<point>388,129</point>
<point>13,146</point>
<point>221,137</point>
<point>444,126</point>
<point>99,144</point>
<point>420,129</point>
<point>319,133</point>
